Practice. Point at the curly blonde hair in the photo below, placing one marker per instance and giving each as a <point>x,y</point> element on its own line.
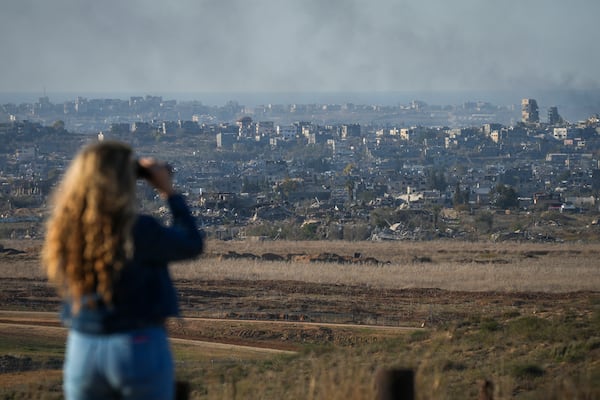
<point>88,236</point>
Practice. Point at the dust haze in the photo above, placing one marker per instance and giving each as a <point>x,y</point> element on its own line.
<point>298,46</point>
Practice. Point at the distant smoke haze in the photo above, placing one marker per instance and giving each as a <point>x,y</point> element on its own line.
<point>241,46</point>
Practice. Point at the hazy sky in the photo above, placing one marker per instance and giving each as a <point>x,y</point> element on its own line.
<point>150,46</point>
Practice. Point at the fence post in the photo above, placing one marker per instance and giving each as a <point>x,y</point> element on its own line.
<point>486,390</point>
<point>395,384</point>
<point>182,390</point>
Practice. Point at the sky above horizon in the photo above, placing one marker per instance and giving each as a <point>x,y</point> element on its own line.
<point>197,46</point>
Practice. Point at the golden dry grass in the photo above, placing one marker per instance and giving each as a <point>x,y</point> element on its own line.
<point>445,265</point>
<point>451,265</point>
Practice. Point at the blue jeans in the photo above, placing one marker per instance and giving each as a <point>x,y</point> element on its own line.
<point>130,365</point>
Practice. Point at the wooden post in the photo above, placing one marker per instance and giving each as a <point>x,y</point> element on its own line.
<point>395,384</point>
<point>486,390</point>
<point>182,390</point>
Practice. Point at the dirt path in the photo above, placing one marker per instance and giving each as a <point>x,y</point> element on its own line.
<point>49,319</point>
<point>46,324</point>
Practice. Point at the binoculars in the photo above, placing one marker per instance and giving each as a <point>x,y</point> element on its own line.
<point>142,172</point>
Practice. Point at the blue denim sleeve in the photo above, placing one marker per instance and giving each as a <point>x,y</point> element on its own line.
<point>180,241</point>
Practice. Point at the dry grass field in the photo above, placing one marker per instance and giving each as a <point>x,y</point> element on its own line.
<point>445,265</point>
<point>317,320</point>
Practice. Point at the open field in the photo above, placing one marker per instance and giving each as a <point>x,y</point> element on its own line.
<point>525,316</point>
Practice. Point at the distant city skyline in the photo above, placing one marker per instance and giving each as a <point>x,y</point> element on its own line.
<point>573,105</point>
<point>268,46</point>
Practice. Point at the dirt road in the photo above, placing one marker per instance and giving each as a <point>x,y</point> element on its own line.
<point>46,324</point>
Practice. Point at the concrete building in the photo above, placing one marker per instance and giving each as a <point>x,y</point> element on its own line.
<point>553,116</point>
<point>287,132</point>
<point>529,111</point>
<point>350,130</point>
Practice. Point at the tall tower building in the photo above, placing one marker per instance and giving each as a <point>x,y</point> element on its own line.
<point>553,116</point>
<point>529,111</point>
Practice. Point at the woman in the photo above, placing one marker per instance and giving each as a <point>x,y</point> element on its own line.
<point>110,266</point>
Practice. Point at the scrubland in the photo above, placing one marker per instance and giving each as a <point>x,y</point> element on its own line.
<point>446,265</point>
<point>523,316</point>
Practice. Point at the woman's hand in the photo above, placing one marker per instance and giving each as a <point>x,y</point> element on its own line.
<point>159,176</point>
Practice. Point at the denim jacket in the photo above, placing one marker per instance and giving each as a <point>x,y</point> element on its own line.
<point>143,294</point>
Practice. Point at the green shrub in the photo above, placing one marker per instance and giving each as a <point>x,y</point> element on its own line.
<point>512,314</point>
<point>524,371</point>
<point>418,336</point>
<point>593,344</point>
<point>451,365</point>
<point>571,352</point>
<point>490,325</point>
<point>532,328</point>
